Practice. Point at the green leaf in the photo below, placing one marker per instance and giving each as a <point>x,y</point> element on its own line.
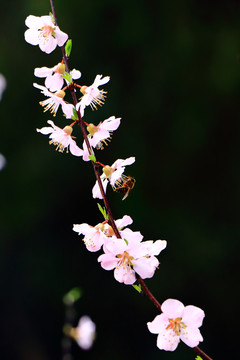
<point>72,296</point>
<point>199,358</point>
<point>126,241</point>
<point>68,47</point>
<point>103,211</point>
<point>92,157</point>
<point>52,17</point>
<point>138,288</point>
<point>75,115</point>
<point>68,77</point>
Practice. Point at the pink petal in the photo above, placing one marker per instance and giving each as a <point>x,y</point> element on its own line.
<point>98,81</point>
<point>108,262</point>
<point>126,220</point>
<point>54,82</point>
<point>45,130</point>
<point>67,109</point>
<point>167,341</point>
<point>191,336</point>
<point>193,316</point>
<point>60,36</point>
<point>111,123</point>
<point>159,324</point>
<point>31,37</point>
<point>34,22</point>
<point>125,274</point>
<point>74,149</point>
<point>76,74</point>
<point>172,308</point>
<point>48,45</point>
<point>47,20</point>
<point>43,72</point>
<point>145,267</point>
<point>82,228</point>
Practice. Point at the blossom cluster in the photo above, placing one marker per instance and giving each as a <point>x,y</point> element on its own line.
<point>127,255</point>
<point>124,250</point>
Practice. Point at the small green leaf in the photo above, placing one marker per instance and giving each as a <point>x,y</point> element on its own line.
<point>75,115</point>
<point>68,77</point>
<point>92,157</point>
<point>72,296</point>
<point>103,211</point>
<point>199,358</point>
<point>138,288</point>
<point>68,47</point>
<point>126,241</point>
<point>52,17</point>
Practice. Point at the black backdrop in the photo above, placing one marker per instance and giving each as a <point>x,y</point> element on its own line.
<point>175,81</point>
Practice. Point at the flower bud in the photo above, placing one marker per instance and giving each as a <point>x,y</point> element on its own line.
<point>92,129</point>
<point>108,170</point>
<point>68,130</point>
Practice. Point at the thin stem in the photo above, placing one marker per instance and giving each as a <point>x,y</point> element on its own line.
<point>148,293</point>
<point>105,200</point>
<point>202,353</point>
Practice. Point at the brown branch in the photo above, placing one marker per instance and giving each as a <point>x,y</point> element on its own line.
<point>202,353</point>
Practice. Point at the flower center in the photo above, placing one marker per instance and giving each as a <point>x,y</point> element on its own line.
<point>68,130</point>
<point>97,97</point>
<point>125,259</point>
<point>176,325</point>
<point>47,31</point>
<point>108,171</point>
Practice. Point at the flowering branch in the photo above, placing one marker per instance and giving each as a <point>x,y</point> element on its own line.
<point>81,124</point>
<point>124,251</point>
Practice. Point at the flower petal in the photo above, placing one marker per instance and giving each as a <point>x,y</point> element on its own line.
<point>172,308</point>
<point>193,316</point>
<point>191,336</point>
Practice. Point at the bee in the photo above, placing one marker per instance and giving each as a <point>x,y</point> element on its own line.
<point>123,185</point>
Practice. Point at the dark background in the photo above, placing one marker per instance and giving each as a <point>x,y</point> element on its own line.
<point>175,81</point>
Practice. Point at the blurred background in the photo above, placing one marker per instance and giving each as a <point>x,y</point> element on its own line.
<point>175,82</point>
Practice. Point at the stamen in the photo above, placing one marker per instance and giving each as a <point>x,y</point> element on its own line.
<point>100,145</point>
<point>59,146</point>
<point>98,100</point>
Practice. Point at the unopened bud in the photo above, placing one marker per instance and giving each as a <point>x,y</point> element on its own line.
<point>108,170</point>
<point>92,129</point>
<point>68,130</point>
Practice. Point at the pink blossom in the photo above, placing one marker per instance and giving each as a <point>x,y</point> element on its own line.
<point>3,161</point>
<point>120,224</point>
<point>100,134</point>
<point>54,80</point>
<point>94,237</point>
<point>129,255</point>
<point>92,95</point>
<point>61,138</point>
<point>43,32</point>
<point>3,85</point>
<point>177,322</point>
<point>54,101</point>
<point>111,174</point>
<point>84,333</point>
